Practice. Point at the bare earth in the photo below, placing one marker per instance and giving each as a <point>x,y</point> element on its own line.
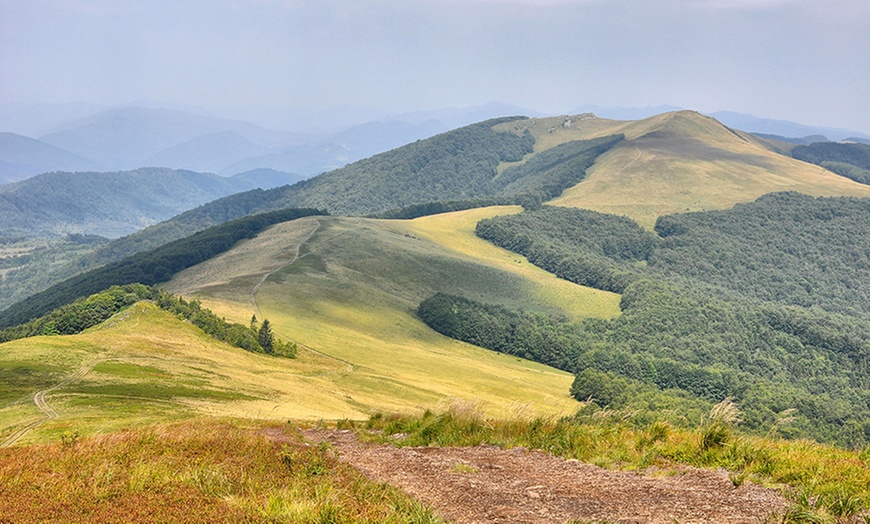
<point>487,484</point>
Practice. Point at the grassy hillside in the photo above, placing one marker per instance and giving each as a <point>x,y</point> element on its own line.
<point>352,292</point>
<point>677,162</point>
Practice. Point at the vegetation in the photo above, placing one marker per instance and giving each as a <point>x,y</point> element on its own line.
<point>97,308</point>
<point>152,267</point>
<point>694,328</point>
<point>238,475</point>
<point>452,171</point>
<point>28,266</point>
<point>825,483</point>
<point>849,160</point>
<point>110,204</point>
<point>784,247</point>
<point>350,297</point>
<point>585,247</point>
<point>458,164</point>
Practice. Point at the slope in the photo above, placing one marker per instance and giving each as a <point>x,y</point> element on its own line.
<point>347,288</point>
<point>144,366</point>
<point>678,162</point>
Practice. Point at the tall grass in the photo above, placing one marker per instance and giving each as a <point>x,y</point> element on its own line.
<point>826,483</point>
<point>196,471</point>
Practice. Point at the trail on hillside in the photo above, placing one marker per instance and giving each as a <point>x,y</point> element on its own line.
<point>256,288</point>
<point>42,404</point>
<point>487,484</point>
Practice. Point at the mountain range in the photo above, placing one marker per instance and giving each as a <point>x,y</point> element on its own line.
<point>125,138</point>
<point>670,288</point>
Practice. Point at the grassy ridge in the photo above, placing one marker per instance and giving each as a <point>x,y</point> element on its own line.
<point>677,162</point>
<point>145,366</point>
<point>152,267</point>
<point>352,293</point>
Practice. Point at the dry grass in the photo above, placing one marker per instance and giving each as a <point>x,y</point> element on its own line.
<point>196,471</point>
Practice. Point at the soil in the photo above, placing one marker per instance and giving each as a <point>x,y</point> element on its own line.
<point>487,484</point>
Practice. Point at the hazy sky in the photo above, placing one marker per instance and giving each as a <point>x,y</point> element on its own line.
<point>803,60</point>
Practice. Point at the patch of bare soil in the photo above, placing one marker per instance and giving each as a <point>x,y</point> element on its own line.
<point>487,484</point>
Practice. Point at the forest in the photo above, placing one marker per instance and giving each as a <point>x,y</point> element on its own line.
<point>716,306</point>
<point>846,159</point>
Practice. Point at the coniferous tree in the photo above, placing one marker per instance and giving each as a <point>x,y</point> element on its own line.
<point>265,337</point>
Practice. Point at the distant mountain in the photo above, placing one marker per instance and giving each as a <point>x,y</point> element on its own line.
<point>785,128</point>
<point>126,138</point>
<point>802,141</point>
<point>305,159</point>
<point>372,138</point>
<point>210,153</point>
<point>22,157</point>
<point>114,204</point>
<point>263,178</point>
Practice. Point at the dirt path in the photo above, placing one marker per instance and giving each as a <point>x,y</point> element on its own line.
<point>42,404</point>
<point>486,484</point>
<point>296,253</point>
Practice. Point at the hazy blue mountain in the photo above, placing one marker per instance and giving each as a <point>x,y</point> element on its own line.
<point>22,157</point>
<point>785,128</point>
<point>210,153</point>
<point>116,203</point>
<point>372,138</point>
<point>263,178</point>
<point>126,138</point>
<point>38,119</point>
<point>305,159</point>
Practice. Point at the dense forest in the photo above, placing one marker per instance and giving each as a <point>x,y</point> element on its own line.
<point>848,160</point>
<point>716,307</point>
<point>151,267</point>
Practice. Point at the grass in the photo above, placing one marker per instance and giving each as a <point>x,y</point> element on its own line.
<point>454,232</point>
<point>678,162</point>
<point>350,299</point>
<point>349,302</point>
<point>825,483</point>
<point>203,470</point>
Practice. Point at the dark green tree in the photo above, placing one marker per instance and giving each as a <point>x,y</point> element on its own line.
<point>265,337</point>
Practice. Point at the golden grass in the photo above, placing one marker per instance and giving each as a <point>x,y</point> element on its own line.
<point>455,233</point>
<point>356,317</point>
<point>196,471</point>
<point>150,367</point>
<point>678,162</point>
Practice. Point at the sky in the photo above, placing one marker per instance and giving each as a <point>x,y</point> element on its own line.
<point>801,60</point>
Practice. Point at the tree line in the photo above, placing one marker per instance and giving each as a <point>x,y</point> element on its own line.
<point>87,312</point>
